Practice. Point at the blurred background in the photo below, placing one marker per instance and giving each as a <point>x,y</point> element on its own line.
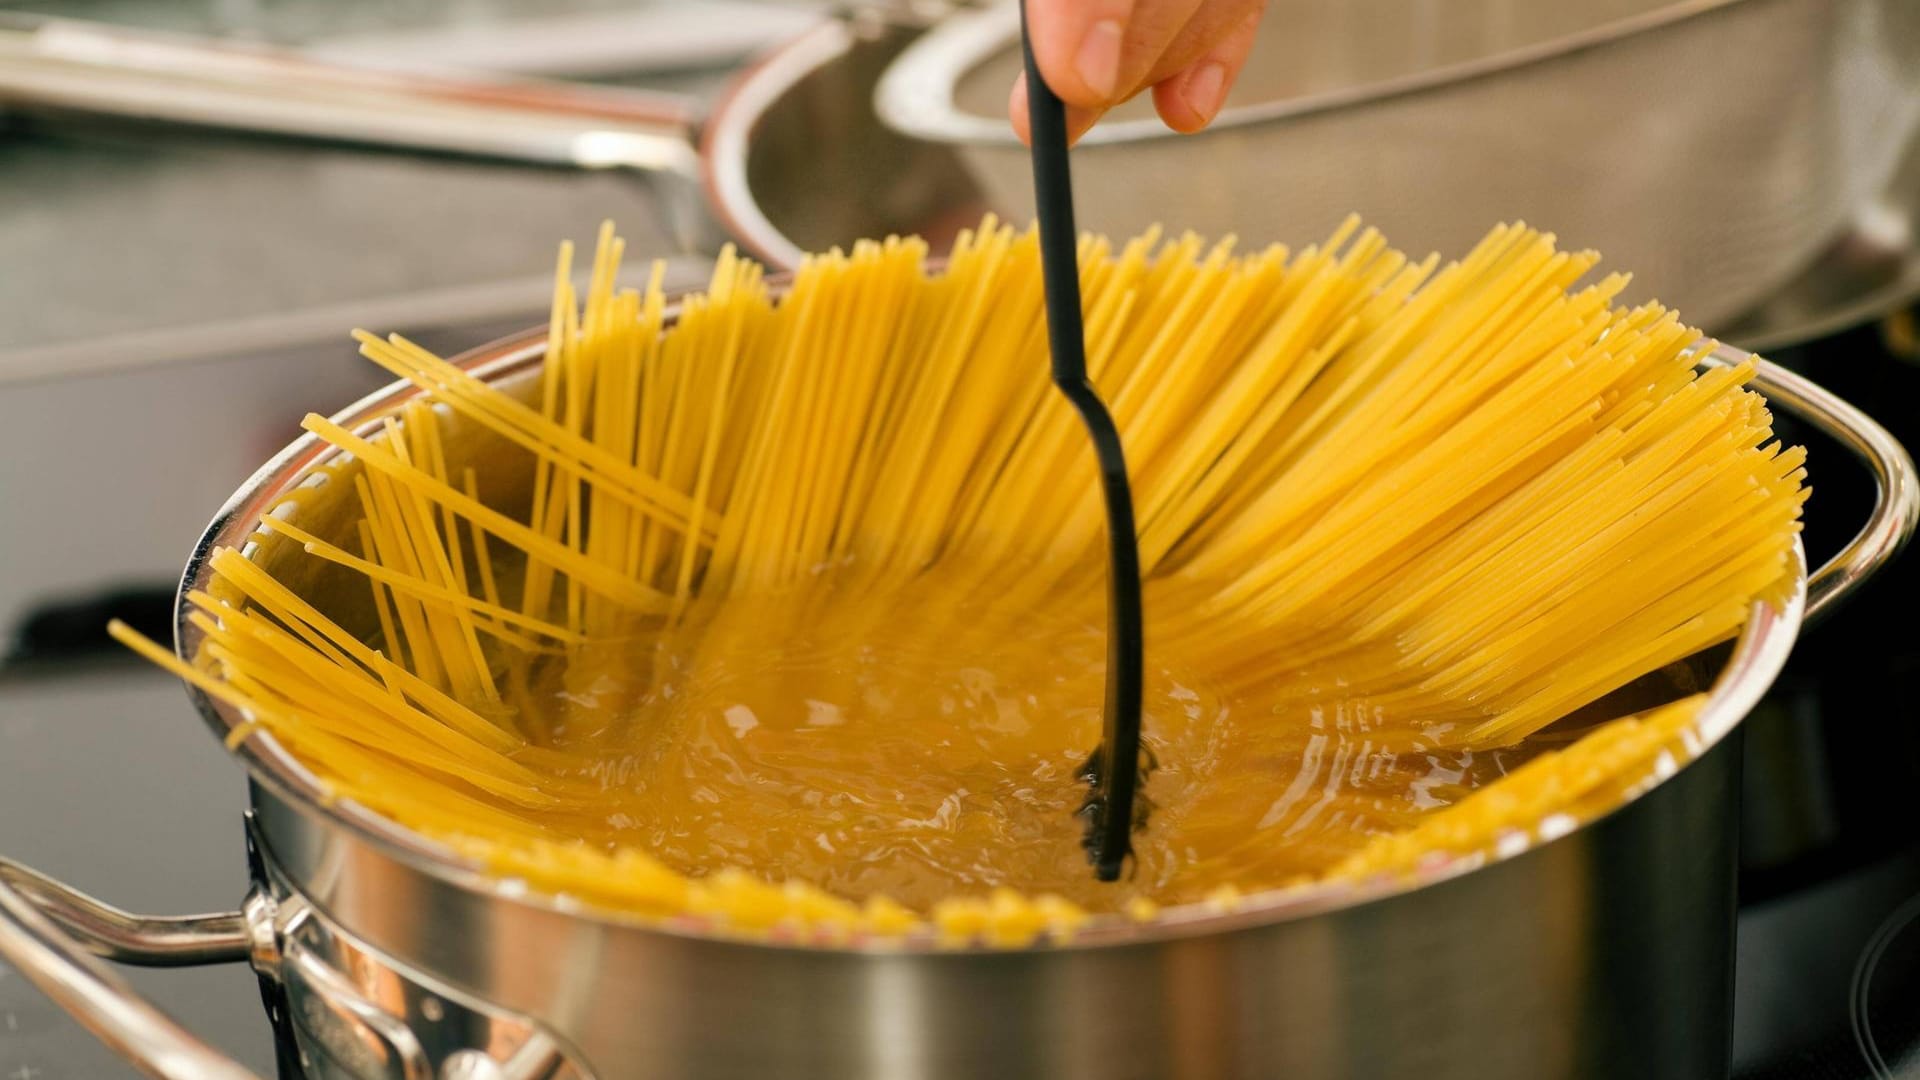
<point>190,223</point>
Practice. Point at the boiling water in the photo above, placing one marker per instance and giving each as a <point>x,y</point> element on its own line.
<point>925,742</point>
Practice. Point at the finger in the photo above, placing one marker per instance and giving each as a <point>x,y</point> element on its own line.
<point>1078,45</point>
<point>1189,100</point>
<point>1205,35</point>
<point>1078,119</point>
<point>1153,26</point>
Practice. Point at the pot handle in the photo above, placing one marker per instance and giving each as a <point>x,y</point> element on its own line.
<point>1896,505</point>
<point>56,936</point>
<point>65,66</point>
<point>53,935</point>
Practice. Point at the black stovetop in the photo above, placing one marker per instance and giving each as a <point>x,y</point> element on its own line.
<point>1828,975</point>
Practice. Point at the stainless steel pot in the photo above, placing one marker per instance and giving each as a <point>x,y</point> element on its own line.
<point>1715,147</point>
<point>1604,952</point>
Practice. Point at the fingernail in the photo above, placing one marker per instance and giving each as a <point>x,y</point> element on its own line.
<point>1206,90</point>
<point>1098,62</point>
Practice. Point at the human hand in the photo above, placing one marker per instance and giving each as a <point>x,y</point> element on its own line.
<point>1096,54</point>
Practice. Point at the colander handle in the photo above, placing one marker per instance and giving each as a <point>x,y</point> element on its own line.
<point>1896,504</point>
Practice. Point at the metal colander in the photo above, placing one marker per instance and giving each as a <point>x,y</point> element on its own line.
<point>1714,146</point>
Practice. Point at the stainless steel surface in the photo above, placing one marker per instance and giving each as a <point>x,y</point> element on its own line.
<point>356,1013</point>
<point>344,1033</point>
<point>1714,147</point>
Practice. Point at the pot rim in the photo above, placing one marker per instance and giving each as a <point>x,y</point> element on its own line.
<point>915,96</point>
<point>1759,652</point>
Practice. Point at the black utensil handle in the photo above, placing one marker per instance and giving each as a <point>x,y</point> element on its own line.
<point>1116,767</point>
<point>1053,200</point>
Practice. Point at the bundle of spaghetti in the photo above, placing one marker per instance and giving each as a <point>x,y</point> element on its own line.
<point>1444,505</point>
<point>1545,798</point>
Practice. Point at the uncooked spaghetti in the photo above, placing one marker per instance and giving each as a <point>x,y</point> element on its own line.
<point>780,622</point>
